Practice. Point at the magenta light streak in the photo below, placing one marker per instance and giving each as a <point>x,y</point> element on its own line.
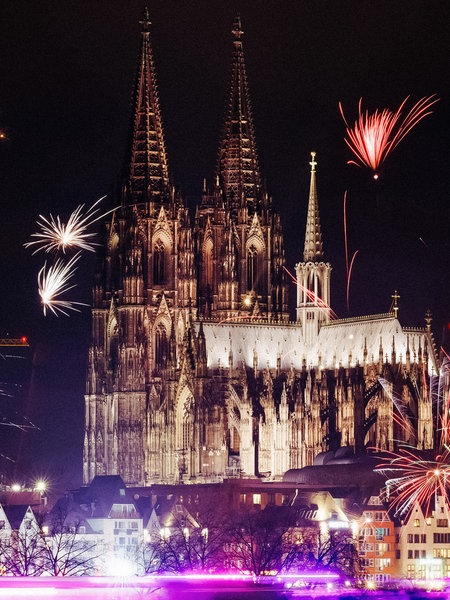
<point>55,583</point>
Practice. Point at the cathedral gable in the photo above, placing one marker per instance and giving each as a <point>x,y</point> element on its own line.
<point>163,316</point>
<point>162,229</point>
<point>255,234</point>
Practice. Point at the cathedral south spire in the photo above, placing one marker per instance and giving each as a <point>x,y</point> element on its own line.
<point>313,238</point>
<point>146,171</point>
<point>238,167</point>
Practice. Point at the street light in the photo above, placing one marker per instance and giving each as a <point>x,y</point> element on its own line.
<point>40,486</point>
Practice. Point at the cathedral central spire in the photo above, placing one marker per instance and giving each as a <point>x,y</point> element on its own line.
<point>146,173</point>
<point>313,250</point>
<point>238,167</point>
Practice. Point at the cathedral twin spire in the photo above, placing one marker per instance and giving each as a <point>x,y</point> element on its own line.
<point>147,173</point>
<point>238,168</point>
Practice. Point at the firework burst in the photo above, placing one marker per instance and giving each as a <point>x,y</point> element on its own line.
<point>59,236</point>
<point>415,478</point>
<point>374,136</point>
<point>53,282</point>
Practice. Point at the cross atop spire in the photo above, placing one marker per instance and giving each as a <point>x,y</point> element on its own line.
<point>237,29</point>
<point>313,250</point>
<point>146,169</point>
<point>394,307</point>
<point>145,21</point>
<point>238,167</point>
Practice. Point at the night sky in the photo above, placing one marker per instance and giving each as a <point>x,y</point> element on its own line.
<point>66,73</point>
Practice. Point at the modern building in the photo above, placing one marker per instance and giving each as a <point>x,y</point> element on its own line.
<point>196,369</point>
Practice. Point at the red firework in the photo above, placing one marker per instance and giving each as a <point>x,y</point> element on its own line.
<point>374,136</point>
<point>415,478</point>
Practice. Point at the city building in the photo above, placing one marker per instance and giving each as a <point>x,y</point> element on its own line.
<point>423,541</point>
<point>196,369</point>
<point>103,521</point>
<point>377,543</point>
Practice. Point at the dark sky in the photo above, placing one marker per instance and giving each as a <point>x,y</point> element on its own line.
<point>66,72</point>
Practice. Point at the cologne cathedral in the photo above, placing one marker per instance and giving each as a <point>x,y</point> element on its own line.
<point>196,370</point>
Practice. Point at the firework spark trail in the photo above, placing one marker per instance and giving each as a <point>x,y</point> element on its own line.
<point>54,281</point>
<point>396,400</point>
<point>312,296</point>
<point>348,268</point>
<point>374,136</point>
<point>349,275</point>
<point>56,235</point>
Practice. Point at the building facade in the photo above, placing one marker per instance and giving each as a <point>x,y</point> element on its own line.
<point>195,369</point>
<point>423,541</point>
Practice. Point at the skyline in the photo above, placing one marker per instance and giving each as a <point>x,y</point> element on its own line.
<point>65,110</point>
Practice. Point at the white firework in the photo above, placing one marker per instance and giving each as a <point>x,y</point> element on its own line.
<point>56,235</point>
<point>54,281</point>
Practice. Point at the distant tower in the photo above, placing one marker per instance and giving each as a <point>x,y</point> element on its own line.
<point>313,274</point>
<point>239,237</point>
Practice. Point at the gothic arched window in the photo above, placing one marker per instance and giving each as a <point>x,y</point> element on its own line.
<point>160,348</point>
<point>158,263</point>
<point>208,265</point>
<point>252,268</point>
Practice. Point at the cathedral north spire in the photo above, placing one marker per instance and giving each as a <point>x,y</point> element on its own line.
<point>146,171</point>
<point>238,167</point>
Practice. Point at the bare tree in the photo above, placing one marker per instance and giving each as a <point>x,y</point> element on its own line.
<point>259,542</point>
<point>337,551</point>
<point>193,542</point>
<point>67,549</point>
<point>22,553</point>
<point>320,549</point>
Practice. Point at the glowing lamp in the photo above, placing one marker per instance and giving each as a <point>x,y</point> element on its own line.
<point>40,486</point>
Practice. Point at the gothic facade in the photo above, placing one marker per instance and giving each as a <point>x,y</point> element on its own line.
<point>195,369</point>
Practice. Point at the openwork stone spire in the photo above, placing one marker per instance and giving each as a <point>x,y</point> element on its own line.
<point>238,167</point>
<point>313,250</point>
<point>146,170</point>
